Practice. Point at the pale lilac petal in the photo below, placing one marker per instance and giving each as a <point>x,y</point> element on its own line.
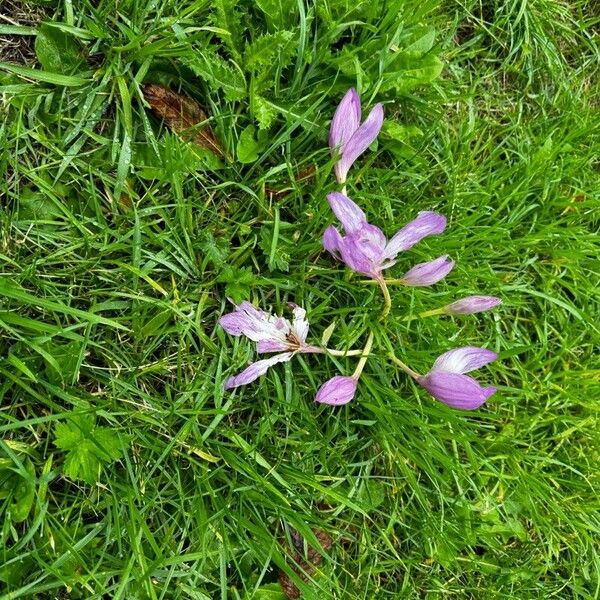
<point>254,324</point>
<point>332,240</point>
<point>349,214</point>
<point>345,120</point>
<point>459,391</point>
<point>300,324</point>
<point>472,304</point>
<point>362,250</point>
<point>463,360</point>
<point>265,346</point>
<point>353,255</point>
<point>426,223</point>
<point>337,391</point>
<point>429,273</point>
<point>235,323</point>
<point>362,138</point>
<point>255,370</point>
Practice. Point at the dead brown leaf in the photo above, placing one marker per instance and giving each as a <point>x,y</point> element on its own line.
<point>182,115</point>
<point>307,564</point>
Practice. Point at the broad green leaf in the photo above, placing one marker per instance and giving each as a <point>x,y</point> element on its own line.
<point>23,494</point>
<point>46,77</point>
<point>422,40</point>
<point>17,30</point>
<point>409,70</point>
<point>57,51</point>
<point>247,146</point>
<point>66,361</point>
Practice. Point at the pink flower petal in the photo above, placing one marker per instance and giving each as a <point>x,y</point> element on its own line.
<point>426,223</point>
<point>428,273</point>
<point>349,214</point>
<point>255,370</point>
<point>337,391</point>
<point>463,360</point>
<point>362,138</point>
<point>332,240</point>
<point>345,120</point>
<point>472,304</point>
<point>459,391</point>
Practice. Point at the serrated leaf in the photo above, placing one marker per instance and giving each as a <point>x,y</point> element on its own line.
<point>108,445</point>
<point>280,259</point>
<point>215,250</point>
<point>265,49</point>
<point>82,463</point>
<point>87,447</point>
<point>227,16</point>
<point>66,436</point>
<point>264,112</point>
<point>247,146</point>
<point>398,132</point>
<point>238,282</point>
<point>279,12</point>
<point>57,51</point>
<point>218,74</point>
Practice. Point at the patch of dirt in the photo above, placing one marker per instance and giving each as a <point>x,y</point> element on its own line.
<point>19,49</point>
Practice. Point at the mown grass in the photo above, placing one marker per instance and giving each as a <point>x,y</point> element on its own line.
<point>120,243</point>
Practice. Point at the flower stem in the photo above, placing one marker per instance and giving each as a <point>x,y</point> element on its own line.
<point>387,301</point>
<point>343,352</point>
<point>365,355</point>
<point>427,313</point>
<point>385,281</point>
<point>404,367</point>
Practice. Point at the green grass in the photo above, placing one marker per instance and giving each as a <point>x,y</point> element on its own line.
<point>126,471</point>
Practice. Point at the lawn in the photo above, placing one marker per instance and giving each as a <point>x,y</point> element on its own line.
<point>160,160</point>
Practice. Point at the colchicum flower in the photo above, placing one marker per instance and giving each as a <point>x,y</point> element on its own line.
<point>447,381</point>
<point>471,305</point>
<point>365,249</point>
<point>347,136</point>
<point>271,334</point>
<point>337,391</point>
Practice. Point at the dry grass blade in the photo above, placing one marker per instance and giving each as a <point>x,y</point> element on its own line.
<point>183,115</point>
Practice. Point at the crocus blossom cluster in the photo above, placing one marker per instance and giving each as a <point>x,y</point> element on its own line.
<point>364,248</point>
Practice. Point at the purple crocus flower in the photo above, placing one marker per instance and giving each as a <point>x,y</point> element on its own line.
<point>365,249</point>
<point>271,334</point>
<point>337,391</point>
<point>347,136</point>
<point>471,305</point>
<point>447,381</point>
